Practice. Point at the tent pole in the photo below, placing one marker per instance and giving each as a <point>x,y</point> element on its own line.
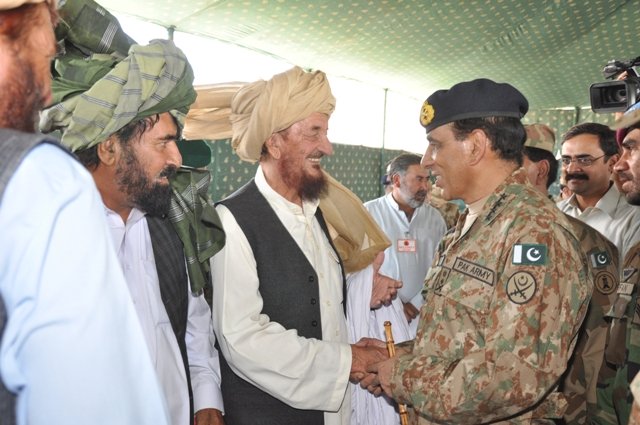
<point>384,135</point>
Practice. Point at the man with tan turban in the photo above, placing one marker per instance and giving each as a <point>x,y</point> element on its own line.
<point>122,117</point>
<point>71,347</point>
<point>278,284</point>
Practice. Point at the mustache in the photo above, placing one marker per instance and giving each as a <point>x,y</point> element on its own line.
<point>576,176</point>
<point>169,172</point>
<point>624,176</point>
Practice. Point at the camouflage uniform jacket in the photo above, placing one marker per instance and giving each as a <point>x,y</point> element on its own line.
<point>623,349</point>
<point>503,305</point>
<point>449,210</point>
<point>588,402</point>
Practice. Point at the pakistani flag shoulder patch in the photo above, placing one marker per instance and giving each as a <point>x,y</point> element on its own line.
<point>529,254</point>
<point>600,259</point>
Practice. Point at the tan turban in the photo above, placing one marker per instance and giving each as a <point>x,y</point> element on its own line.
<point>280,102</point>
<point>355,234</point>
<point>265,107</point>
<point>12,4</point>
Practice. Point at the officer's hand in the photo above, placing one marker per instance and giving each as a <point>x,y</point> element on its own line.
<point>364,353</point>
<point>379,378</point>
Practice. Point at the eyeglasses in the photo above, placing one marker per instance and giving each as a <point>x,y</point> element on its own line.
<point>583,161</point>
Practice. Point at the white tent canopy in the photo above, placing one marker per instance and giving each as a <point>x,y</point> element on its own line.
<point>365,115</point>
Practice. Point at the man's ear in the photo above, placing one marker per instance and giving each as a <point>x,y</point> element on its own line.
<point>478,145</point>
<point>273,145</point>
<point>107,151</point>
<point>395,180</point>
<point>543,171</point>
<point>612,161</point>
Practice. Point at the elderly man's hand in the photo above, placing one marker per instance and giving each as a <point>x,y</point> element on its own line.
<point>384,288</point>
<point>365,352</point>
<point>209,417</point>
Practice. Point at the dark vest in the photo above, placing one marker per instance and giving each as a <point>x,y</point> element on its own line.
<point>172,275</point>
<point>289,289</point>
<point>14,146</point>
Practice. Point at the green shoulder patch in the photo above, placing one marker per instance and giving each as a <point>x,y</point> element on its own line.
<point>529,254</point>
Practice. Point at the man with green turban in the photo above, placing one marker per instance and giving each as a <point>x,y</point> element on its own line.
<point>72,349</point>
<point>122,117</point>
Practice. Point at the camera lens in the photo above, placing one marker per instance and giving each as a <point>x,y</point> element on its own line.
<point>617,95</point>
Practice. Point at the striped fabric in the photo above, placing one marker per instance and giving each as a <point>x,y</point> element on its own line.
<point>153,79</point>
<point>196,222</point>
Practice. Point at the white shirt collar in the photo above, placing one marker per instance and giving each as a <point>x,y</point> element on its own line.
<point>135,215</point>
<point>608,203</point>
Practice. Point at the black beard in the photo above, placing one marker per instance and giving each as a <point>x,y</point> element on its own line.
<point>152,198</point>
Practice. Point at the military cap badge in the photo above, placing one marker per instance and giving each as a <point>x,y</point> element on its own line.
<point>426,113</point>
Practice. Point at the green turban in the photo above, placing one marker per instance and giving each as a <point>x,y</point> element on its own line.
<point>102,94</point>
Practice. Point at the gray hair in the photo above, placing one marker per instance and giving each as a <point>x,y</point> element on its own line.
<point>401,163</point>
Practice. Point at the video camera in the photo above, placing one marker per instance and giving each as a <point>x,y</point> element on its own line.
<point>616,96</point>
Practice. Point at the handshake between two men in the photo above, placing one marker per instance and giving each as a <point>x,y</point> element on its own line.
<point>371,365</point>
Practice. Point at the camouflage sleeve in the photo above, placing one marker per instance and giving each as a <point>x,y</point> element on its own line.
<point>511,342</point>
<point>587,382</point>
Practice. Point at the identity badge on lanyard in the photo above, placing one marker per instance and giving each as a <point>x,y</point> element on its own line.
<point>406,245</point>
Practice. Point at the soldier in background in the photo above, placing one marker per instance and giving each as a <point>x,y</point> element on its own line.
<point>449,210</point>
<point>624,346</point>
<point>588,396</point>
<point>509,288</point>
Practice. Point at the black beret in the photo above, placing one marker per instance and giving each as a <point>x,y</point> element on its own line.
<point>472,99</point>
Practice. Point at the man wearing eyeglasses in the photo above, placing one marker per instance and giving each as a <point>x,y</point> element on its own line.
<point>589,151</point>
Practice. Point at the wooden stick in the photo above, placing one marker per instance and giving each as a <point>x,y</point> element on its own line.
<point>391,349</point>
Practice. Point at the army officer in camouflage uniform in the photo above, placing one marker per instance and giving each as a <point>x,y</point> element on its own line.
<point>509,287</point>
<point>624,344</point>
<point>586,384</point>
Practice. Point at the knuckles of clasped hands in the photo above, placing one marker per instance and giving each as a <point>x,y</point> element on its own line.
<point>367,354</point>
